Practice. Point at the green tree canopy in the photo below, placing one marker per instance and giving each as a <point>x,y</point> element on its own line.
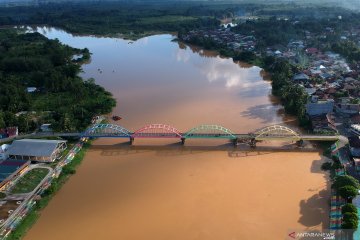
<point>348,192</point>
<point>350,221</point>
<point>349,207</point>
<point>341,181</point>
<point>62,97</point>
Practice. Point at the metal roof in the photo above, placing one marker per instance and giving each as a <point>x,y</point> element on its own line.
<point>8,167</point>
<point>34,147</point>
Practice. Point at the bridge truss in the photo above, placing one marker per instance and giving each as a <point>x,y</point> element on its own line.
<point>276,132</point>
<point>210,131</point>
<point>157,131</point>
<point>106,130</point>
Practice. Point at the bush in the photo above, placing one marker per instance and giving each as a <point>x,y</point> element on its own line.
<point>69,170</point>
<point>326,166</point>
<point>335,158</point>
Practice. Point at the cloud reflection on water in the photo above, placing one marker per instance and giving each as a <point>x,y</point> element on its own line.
<point>217,69</point>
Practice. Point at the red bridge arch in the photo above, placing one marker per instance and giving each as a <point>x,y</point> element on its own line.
<point>157,130</point>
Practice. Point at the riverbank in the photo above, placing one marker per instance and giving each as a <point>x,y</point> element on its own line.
<point>33,215</point>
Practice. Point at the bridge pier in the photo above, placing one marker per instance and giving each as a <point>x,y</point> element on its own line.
<point>300,143</point>
<point>182,141</point>
<point>131,140</point>
<point>235,141</point>
<point>252,143</point>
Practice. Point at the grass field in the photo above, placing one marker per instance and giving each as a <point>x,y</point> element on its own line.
<point>29,181</point>
<point>2,195</point>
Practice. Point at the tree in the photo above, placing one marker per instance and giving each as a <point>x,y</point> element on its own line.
<point>2,121</point>
<point>326,166</point>
<point>245,56</point>
<point>341,181</point>
<point>350,221</point>
<point>23,123</point>
<point>348,192</point>
<point>349,207</point>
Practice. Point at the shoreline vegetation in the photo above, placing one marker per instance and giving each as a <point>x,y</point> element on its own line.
<point>40,84</point>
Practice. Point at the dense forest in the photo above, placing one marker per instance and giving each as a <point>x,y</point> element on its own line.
<point>132,20</point>
<point>61,97</point>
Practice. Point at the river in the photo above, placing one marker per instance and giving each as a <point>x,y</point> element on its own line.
<point>205,190</point>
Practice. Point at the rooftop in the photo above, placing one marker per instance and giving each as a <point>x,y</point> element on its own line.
<point>34,147</point>
<point>8,167</point>
<point>356,127</point>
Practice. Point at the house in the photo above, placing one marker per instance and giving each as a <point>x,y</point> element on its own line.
<point>317,107</point>
<point>323,123</point>
<point>8,132</point>
<point>325,76</point>
<point>31,89</point>
<point>312,50</point>
<point>301,77</point>
<point>315,71</point>
<point>330,90</point>
<point>347,108</point>
<point>354,145</point>
<point>355,129</point>
<point>277,52</point>
<point>310,91</point>
<point>355,119</point>
<point>46,127</point>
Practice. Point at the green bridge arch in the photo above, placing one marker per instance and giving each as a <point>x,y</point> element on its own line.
<point>209,131</point>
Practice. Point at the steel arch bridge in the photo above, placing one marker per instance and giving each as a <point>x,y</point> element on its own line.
<point>209,131</point>
<point>106,130</point>
<point>157,131</point>
<point>277,132</point>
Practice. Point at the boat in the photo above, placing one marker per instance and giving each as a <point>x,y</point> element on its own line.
<point>116,118</point>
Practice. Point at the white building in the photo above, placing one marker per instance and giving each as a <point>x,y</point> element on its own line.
<point>46,127</point>
<point>355,128</point>
<point>3,150</point>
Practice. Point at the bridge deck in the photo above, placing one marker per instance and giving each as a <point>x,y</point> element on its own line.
<point>319,138</point>
<point>239,137</point>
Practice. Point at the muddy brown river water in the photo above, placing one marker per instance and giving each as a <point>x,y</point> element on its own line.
<point>159,190</point>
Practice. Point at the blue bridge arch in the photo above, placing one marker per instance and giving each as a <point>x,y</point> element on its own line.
<point>106,130</point>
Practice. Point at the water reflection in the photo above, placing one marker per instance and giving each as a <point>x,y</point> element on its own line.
<point>222,70</point>
<point>155,79</point>
<point>217,69</point>
<point>264,112</point>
